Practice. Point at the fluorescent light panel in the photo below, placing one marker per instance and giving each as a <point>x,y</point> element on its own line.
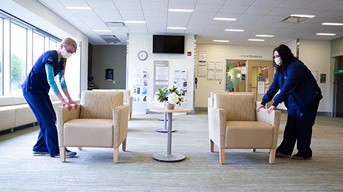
<point>78,8</point>
<point>264,35</point>
<point>333,24</point>
<point>224,19</point>
<point>301,15</point>
<point>326,34</point>
<point>181,10</point>
<point>234,30</point>
<point>177,28</point>
<point>221,41</point>
<point>255,39</point>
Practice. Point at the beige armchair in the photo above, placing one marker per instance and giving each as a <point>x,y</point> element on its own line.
<point>234,124</point>
<point>101,120</point>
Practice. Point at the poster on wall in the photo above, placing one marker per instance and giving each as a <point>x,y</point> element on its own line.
<point>161,75</point>
<point>180,81</point>
<point>202,69</point>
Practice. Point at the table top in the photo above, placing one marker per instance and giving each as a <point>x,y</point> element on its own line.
<point>163,110</point>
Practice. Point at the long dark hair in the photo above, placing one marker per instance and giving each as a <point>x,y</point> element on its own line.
<point>286,56</point>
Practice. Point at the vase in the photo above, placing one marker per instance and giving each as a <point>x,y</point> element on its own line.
<point>169,106</point>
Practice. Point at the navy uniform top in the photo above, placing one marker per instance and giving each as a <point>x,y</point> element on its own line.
<point>298,88</point>
<point>36,81</point>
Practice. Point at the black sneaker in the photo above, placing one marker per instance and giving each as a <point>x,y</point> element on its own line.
<point>40,153</point>
<point>299,157</point>
<point>69,154</point>
<point>282,155</point>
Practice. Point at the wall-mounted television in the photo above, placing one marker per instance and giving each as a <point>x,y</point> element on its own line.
<point>168,44</point>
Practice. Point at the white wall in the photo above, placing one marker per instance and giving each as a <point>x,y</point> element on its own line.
<point>317,57</point>
<point>38,15</point>
<point>138,42</point>
<point>220,53</point>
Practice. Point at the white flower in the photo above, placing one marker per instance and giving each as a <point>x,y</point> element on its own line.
<point>173,98</point>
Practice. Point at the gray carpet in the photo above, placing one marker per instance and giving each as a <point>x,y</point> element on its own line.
<point>93,170</point>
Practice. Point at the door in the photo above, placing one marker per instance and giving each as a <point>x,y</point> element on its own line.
<point>338,88</point>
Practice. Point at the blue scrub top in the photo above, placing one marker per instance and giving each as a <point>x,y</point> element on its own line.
<point>36,81</point>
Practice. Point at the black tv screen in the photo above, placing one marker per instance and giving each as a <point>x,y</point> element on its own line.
<point>168,44</point>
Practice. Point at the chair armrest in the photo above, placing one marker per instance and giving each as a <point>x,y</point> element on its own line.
<point>64,115</point>
<point>120,124</point>
<point>217,125</point>
<point>272,118</point>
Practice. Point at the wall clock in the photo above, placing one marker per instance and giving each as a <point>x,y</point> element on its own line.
<point>142,55</point>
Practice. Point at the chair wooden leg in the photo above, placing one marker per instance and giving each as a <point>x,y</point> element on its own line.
<point>221,156</point>
<point>272,156</point>
<point>123,145</point>
<point>211,145</point>
<point>254,150</point>
<point>115,155</point>
<point>63,154</point>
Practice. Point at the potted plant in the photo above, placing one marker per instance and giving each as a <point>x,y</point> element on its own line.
<point>170,96</point>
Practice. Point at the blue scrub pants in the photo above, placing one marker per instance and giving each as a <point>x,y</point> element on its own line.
<point>44,112</point>
<point>299,129</point>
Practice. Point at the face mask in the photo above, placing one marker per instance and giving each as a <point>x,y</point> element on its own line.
<point>65,54</point>
<point>277,61</point>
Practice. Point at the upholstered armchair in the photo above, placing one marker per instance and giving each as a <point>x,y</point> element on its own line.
<point>101,120</point>
<point>235,124</point>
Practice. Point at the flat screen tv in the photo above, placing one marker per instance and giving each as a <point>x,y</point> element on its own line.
<point>168,44</point>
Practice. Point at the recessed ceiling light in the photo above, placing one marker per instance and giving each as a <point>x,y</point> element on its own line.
<point>78,8</point>
<point>255,39</point>
<point>181,10</point>
<point>264,35</point>
<point>235,30</point>
<point>333,24</point>
<point>224,19</point>
<point>221,41</point>
<point>135,22</point>
<point>177,28</point>
<point>301,15</point>
<point>326,34</point>
<point>101,30</point>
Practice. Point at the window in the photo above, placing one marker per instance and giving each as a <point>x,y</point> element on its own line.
<point>1,55</point>
<point>18,58</point>
<point>21,44</point>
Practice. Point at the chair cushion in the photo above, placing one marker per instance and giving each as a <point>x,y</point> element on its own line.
<point>248,134</point>
<point>88,133</point>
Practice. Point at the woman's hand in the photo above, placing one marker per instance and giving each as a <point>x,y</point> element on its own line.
<point>270,109</point>
<point>68,105</point>
<point>259,107</point>
<point>72,102</point>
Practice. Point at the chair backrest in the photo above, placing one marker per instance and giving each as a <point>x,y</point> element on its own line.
<point>238,107</point>
<point>126,92</point>
<point>99,104</point>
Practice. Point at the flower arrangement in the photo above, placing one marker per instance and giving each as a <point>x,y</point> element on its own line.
<point>170,95</point>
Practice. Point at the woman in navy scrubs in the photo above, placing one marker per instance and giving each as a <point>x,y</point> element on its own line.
<point>301,95</point>
<point>36,89</point>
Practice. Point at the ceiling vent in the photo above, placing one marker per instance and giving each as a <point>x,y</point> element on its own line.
<point>294,19</point>
<point>115,24</point>
<point>111,39</point>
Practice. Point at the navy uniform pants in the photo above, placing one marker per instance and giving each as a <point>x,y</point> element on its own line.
<point>46,117</point>
<point>299,129</point>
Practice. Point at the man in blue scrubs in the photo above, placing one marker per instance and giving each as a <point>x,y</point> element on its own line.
<point>301,94</point>
<point>36,92</point>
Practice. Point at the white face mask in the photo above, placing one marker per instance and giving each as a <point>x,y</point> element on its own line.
<point>65,54</point>
<point>278,61</point>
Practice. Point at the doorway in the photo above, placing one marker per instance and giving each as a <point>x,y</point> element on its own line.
<point>260,75</point>
<point>338,88</point>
